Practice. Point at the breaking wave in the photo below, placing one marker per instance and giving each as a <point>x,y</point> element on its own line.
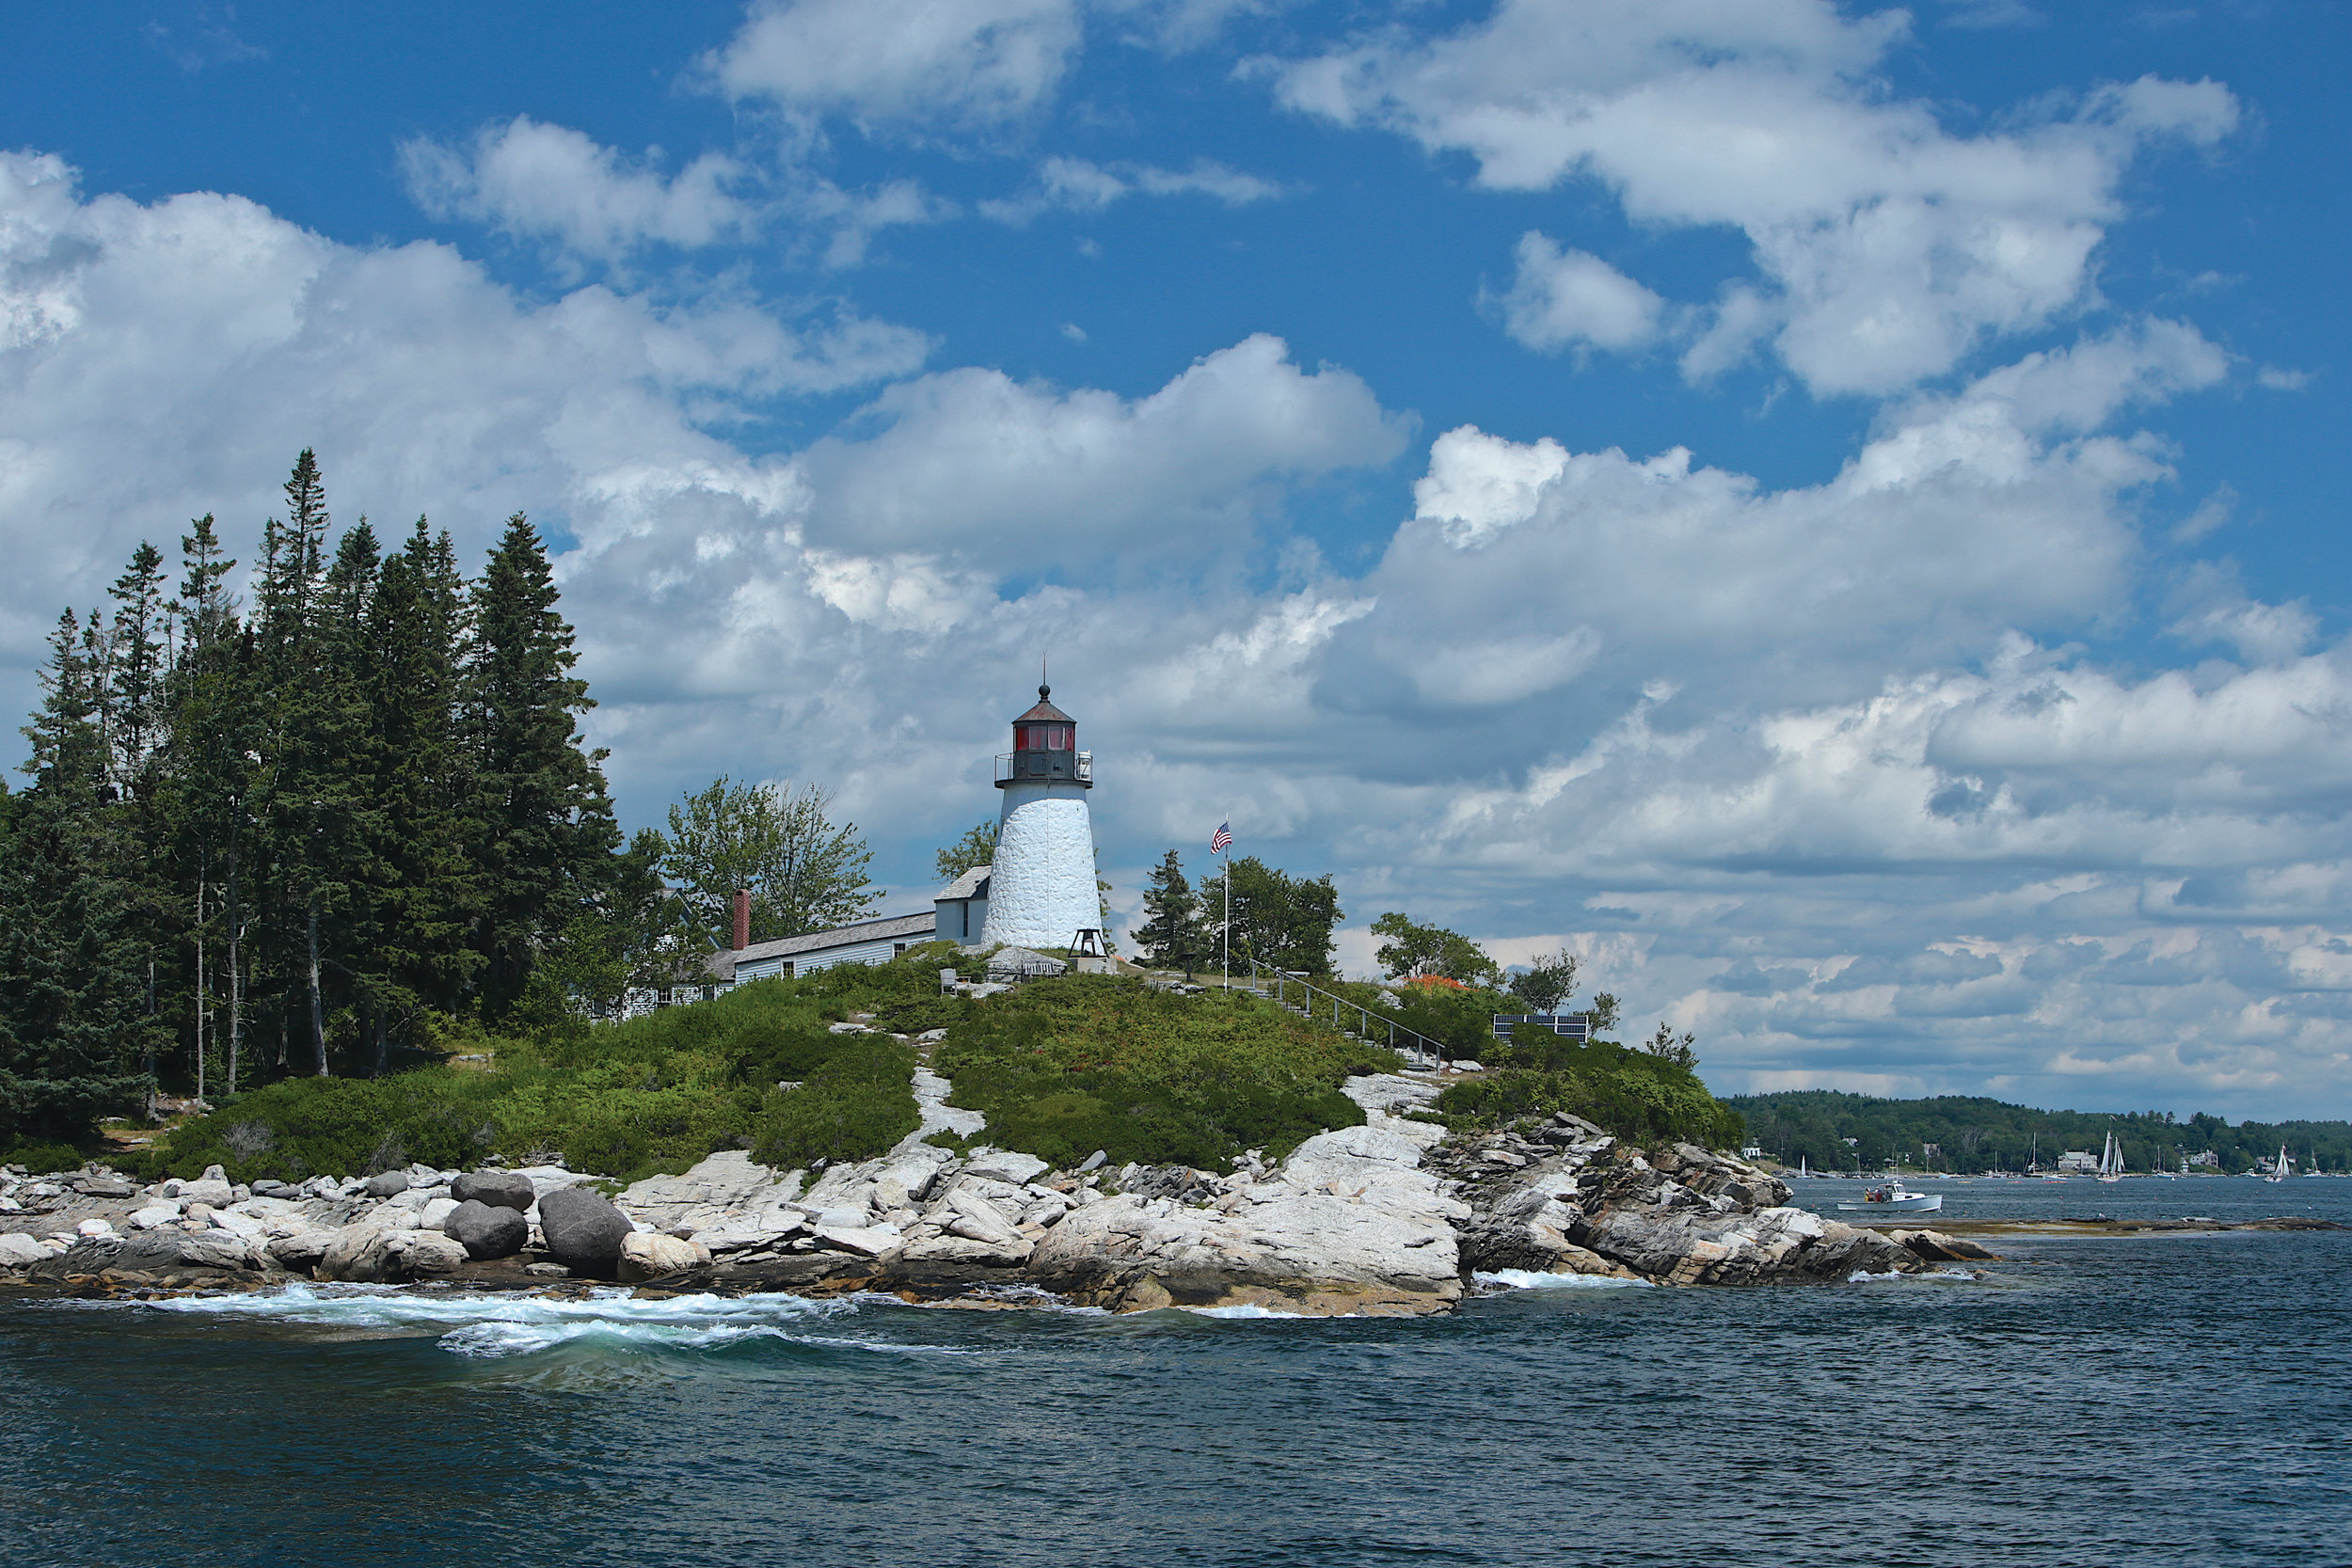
<point>1525,1280</point>
<point>494,1326</point>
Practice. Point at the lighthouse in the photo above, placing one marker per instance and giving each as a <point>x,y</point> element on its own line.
<point>1042,888</point>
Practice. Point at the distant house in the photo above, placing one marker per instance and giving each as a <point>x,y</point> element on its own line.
<point>867,941</point>
<point>2079,1160</point>
<point>958,913</point>
<point>961,908</point>
<point>2205,1157</point>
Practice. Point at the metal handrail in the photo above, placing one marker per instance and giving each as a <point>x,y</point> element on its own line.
<point>1424,1046</point>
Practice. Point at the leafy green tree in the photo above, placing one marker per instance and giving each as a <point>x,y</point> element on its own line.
<point>804,873</point>
<point>1412,951</point>
<point>1681,1051</point>
<point>1171,931</point>
<point>1280,921</point>
<point>976,848</point>
<point>1546,983</point>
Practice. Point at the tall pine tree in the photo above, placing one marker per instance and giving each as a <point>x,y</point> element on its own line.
<point>544,824</point>
<point>74,1015</point>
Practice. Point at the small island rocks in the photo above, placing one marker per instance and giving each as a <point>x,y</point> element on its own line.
<point>1393,1216</point>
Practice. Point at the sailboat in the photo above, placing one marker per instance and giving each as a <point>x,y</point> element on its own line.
<point>2279,1171</point>
<point>2110,1160</point>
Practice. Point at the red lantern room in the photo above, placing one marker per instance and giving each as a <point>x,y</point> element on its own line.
<point>1045,749</point>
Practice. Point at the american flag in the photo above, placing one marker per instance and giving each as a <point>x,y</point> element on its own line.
<point>1222,839</point>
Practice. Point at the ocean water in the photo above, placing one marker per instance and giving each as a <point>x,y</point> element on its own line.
<point>2183,1398</point>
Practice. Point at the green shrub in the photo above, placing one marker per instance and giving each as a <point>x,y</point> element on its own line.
<point>855,1104</point>
<point>624,1101</point>
<point>1064,1066</point>
<point>43,1159</point>
<point>1640,1097</point>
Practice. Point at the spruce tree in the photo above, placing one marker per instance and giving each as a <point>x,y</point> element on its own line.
<point>417,957</point>
<point>1171,930</point>
<point>211,739</point>
<point>543,826</point>
<point>73,1010</point>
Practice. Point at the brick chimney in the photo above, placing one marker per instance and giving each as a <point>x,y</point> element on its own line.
<point>742,919</point>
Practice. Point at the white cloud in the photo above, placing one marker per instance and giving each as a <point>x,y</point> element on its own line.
<point>556,186</point>
<point>1078,185</point>
<point>1813,771</point>
<point>544,181</point>
<point>1559,298</point>
<point>972,462</point>
<point>1886,247</point>
<point>885,63</point>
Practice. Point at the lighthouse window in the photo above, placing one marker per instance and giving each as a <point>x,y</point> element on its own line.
<point>1041,738</point>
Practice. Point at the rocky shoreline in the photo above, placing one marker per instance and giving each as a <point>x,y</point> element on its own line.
<point>1394,1216</point>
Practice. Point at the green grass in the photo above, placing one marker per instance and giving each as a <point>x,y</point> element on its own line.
<point>654,1094</point>
<point>1064,1066</point>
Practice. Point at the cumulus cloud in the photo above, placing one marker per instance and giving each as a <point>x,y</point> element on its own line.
<point>1079,185</point>
<point>1560,298</point>
<point>558,187</point>
<point>900,63</point>
<point>1820,771</point>
<point>1885,247</point>
<point>547,182</point>
<point>971,462</point>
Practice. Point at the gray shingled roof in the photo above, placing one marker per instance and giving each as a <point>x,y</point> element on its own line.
<point>972,884</point>
<point>841,936</point>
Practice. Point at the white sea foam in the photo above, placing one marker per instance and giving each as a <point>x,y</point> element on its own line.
<point>1239,1309</point>
<point>1524,1279</point>
<point>491,1327</point>
<point>1864,1276</point>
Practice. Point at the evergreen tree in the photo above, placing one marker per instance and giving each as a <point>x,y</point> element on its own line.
<point>73,1008</point>
<point>544,825</point>
<point>209,742</point>
<point>420,958</point>
<point>1171,931</point>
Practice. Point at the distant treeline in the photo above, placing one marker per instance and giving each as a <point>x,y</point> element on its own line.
<point>1967,1134</point>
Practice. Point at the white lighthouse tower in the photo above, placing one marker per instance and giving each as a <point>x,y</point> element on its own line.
<point>1042,888</point>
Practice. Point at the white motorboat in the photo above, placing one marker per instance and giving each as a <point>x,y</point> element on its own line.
<point>1894,1199</point>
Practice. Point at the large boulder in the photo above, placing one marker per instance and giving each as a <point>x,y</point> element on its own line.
<point>18,1251</point>
<point>584,1230</point>
<point>386,1183</point>
<point>501,1189</point>
<point>1351,1224</point>
<point>486,1229</point>
<point>728,1190</point>
<point>366,1254</point>
<point>302,1250</point>
<point>649,1255</point>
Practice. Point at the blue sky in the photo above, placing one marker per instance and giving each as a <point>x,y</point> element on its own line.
<point>1832,513</point>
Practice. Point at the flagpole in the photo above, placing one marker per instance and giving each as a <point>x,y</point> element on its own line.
<point>1225,928</point>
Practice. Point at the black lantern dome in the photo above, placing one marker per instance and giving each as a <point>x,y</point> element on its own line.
<point>1045,749</point>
